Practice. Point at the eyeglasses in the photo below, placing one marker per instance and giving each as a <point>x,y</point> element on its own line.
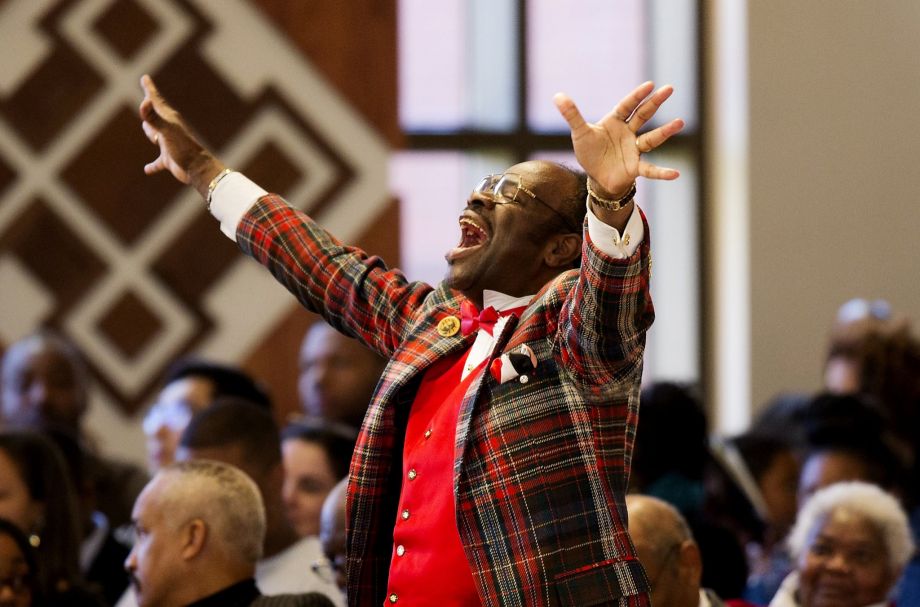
<point>173,414</point>
<point>505,189</point>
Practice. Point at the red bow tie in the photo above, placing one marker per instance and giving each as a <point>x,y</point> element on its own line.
<point>471,319</point>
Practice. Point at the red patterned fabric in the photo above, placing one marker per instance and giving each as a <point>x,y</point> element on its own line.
<point>541,468</point>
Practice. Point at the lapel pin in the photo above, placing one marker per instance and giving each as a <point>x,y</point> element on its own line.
<point>448,326</point>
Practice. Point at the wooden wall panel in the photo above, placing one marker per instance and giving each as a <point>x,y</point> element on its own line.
<point>299,95</point>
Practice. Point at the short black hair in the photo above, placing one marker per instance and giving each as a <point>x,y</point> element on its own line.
<point>228,381</point>
<point>671,414</point>
<point>336,439</point>
<point>574,208</point>
<point>233,421</point>
<point>759,451</point>
<point>856,425</point>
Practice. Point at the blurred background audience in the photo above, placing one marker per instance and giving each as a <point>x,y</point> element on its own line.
<point>337,375</point>
<point>715,518</point>
<point>672,461</point>
<point>332,523</point>
<point>189,386</point>
<point>850,543</point>
<point>19,573</point>
<point>200,534</point>
<point>242,434</point>
<point>665,546</point>
<point>37,496</point>
<point>45,386</point>
<point>316,455</point>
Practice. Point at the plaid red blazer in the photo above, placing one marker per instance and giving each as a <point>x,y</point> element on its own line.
<point>541,467</point>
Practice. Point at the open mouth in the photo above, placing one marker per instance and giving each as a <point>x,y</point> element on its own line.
<point>473,235</point>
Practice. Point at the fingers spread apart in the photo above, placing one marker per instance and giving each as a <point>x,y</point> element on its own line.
<point>654,138</point>
<point>652,171</point>
<point>647,109</point>
<point>570,112</point>
<point>628,104</point>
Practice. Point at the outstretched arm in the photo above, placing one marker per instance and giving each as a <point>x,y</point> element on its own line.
<point>355,292</point>
<point>180,151</point>
<point>610,150</point>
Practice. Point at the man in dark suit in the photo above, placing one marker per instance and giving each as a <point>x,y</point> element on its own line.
<point>199,528</point>
<point>491,466</point>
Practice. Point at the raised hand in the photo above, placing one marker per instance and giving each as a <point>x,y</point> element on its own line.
<point>180,151</point>
<point>610,150</point>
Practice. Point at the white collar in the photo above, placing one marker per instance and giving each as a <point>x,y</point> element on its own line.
<point>502,302</point>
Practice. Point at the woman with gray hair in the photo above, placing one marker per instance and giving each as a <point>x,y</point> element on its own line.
<point>850,543</point>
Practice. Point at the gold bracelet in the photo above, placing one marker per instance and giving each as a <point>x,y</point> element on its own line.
<point>613,205</point>
<point>213,185</point>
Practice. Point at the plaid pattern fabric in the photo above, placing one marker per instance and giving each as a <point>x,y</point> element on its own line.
<point>541,467</point>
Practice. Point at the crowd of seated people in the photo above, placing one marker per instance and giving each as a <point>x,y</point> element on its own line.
<point>815,504</point>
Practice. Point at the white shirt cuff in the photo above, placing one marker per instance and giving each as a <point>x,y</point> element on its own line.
<point>234,195</point>
<point>609,240</point>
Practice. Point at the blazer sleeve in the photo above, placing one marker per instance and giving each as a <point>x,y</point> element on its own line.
<point>355,292</point>
<point>604,319</point>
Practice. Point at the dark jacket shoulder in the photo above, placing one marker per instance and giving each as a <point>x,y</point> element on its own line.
<point>309,599</point>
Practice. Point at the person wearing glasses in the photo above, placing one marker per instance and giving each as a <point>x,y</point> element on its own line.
<point>190,385</point>
<point>492,463</point>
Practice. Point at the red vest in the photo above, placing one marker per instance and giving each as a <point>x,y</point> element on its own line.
<point>428,565</point>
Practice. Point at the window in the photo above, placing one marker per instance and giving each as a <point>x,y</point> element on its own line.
<point>477,79</point>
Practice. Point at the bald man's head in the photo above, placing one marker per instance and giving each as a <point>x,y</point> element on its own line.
<point>666,548</point>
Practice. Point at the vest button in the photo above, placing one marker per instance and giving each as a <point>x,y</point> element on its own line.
<point>400,550</point>
<point>393,598</point>
<point>405,515</point>
<point>412,474</point>
<point>428,433</point>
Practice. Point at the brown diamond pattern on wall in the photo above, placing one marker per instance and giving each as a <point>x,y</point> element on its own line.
<point>271,165</point>
<point>107,176</point>
<point>54,253</point>
<point>55,93</point>
<point>139,272</point>
<point>190,274</point>
<point>7,176</point>
<point>126,27</point>
<point>130,325</point>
